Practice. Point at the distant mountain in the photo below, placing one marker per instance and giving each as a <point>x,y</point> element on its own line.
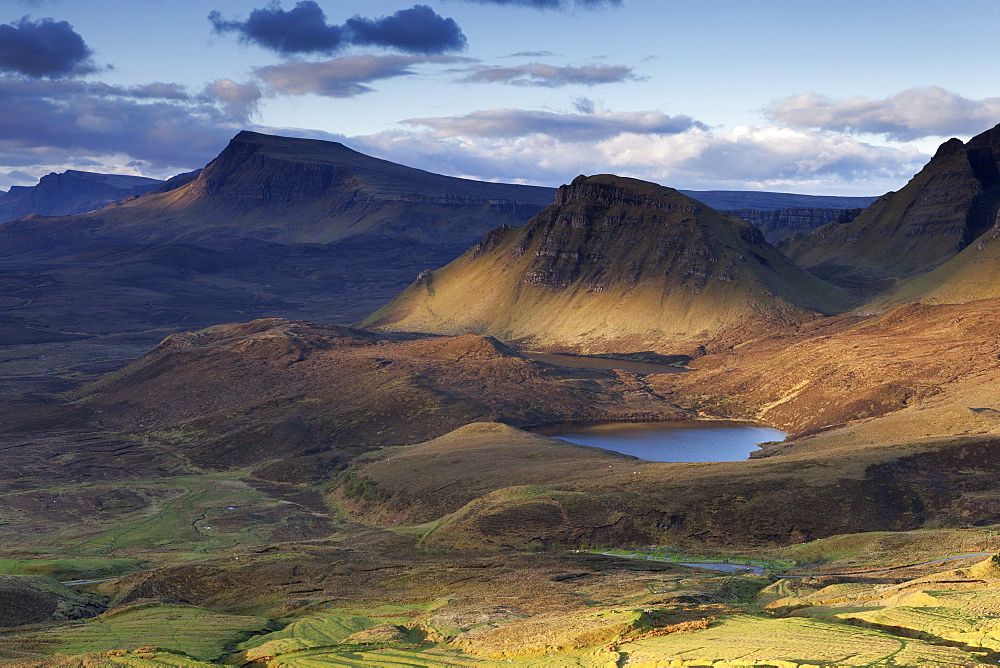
<point>71,192</point>
<point>945,208</point>
<point>615,264</point>
<point>302,191</point>
<point>726,200</point>
<point>274,226</point>
<point>777,224</point>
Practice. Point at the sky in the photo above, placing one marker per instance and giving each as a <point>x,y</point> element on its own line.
<point>845,98</point>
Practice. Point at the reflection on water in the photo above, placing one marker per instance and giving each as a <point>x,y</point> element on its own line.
<point>693,441</point>
<point>578,361</point>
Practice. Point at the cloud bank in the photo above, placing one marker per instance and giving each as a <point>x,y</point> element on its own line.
<point>161,126</point>
<point>907,116</point>
<point>43,48</point>
<point>549,149</point>
<point>304,30</point>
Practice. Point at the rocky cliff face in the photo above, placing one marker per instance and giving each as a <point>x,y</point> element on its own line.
<point>943,209</point>
<point>614,264</point>
<point>71,192</point>
<point>778,224</point>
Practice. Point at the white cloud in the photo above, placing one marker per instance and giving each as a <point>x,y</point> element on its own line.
<point>771,158</point>
<point>910,115</point>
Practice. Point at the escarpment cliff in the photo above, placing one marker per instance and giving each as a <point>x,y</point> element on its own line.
<point>778,224</point>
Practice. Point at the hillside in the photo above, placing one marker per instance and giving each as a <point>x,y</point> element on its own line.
<point>950,203</point>
<point>242,394</point>
<point>615,264</point>
<point>971,275</point>
<point>71,192</point>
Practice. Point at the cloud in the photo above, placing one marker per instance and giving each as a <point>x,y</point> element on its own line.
<point>341,77</point>
<point>551,76</point>
<point>304,29</point>
<point>584,105</point>
<point>553,4</point>
<point>44,48</point>
<point>530,54</point>
<point>415,30</point>
<point>66,122</point>
<point>907,116</point>
<point>511,123</point>
<point>769,157</point>
<point>242,100</point>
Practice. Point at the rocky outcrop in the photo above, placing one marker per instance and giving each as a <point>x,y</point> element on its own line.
<point>71,192</point>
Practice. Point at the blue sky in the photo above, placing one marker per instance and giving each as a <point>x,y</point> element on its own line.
<point>835,98</point>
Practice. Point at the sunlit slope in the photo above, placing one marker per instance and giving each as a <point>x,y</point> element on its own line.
<point>943,209</point>
<point>615,263</point>
<point>971,275</point>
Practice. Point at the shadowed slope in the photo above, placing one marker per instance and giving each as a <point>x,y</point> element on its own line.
<point>614,264</point>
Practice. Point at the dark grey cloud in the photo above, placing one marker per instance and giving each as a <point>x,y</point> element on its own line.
<point>512,123</point>
<point>553,4</point>
<point>551,76</point>
<point>43,48</point>
<point>64,121</point>
<point>341,77</point>
<point>304,29</point>
<point>415,30</point>
<point>912,114</point>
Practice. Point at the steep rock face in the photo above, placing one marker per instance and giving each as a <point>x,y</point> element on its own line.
<point>778,224</point>
<point>943,209</point>
<point>614,264</point>
<point>71,192</point>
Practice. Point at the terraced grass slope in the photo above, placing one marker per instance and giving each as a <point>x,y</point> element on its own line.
<point>615,264</point>
<point>945,208</point>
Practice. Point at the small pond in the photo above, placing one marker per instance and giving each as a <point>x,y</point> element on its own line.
<point>690,441</point>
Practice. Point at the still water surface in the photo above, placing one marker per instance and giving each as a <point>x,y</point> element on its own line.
<point>672,441</point>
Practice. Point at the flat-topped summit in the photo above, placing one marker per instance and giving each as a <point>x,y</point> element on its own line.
<point>288,190</point>
<point>614,263</point>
